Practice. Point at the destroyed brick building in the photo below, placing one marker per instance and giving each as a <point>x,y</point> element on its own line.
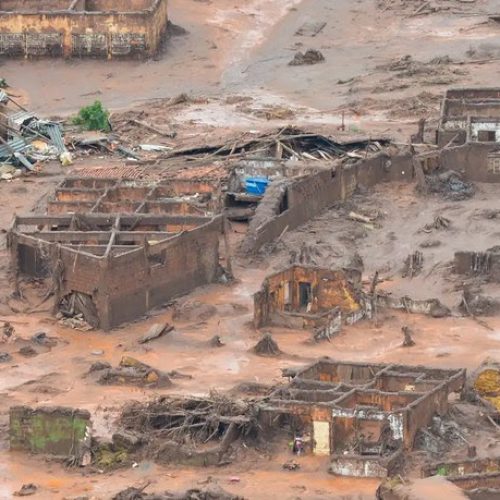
<point>290,202</point>
<point>115,249</point>
<point>309,297</point>
<point>364,416</point>
<point>470,115</point>
<point>82,28</point>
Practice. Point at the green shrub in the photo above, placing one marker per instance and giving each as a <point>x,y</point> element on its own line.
<point>93,117</point>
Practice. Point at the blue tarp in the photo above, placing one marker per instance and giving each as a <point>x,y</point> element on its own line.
<point>256,185</point>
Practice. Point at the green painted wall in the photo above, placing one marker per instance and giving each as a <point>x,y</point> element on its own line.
<point>55,431</point>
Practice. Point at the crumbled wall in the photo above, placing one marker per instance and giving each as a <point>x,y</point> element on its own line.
<point>486,264</point>
<point>59,431</point>
<point>360,466</point>
<point>473,160</point>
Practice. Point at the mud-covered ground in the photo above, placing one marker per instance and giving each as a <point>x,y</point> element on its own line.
<point>385,66</point>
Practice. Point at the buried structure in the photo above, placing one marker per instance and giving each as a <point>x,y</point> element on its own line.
<point>364,416</point>
<point>82,28</point>
<point>120,251</point>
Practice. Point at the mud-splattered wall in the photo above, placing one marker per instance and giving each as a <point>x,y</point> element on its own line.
<point>477,162</point>
<point>329,289</point>
<point>125,285</point>
<point>56,431</point>
<point>289,203</point>
<point>134,30</point>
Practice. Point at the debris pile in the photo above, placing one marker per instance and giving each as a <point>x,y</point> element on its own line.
<point>407,334</point>
<point>130,371</point>
<point>267,346</point>
<point>175,429</point>
<point>487,382</point>
<point>414,264</point>
<point>285,144</point>
<point>475,303</point>
<point>26,140</point>
<point>450,185</point>
<point>309,57</point>
<point>209,493</point>
<point>439,223</point>
<point>155,332</point>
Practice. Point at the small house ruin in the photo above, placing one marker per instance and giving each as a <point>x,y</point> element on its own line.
<point>309,297</point>
<point>364,416</point>
<point>470,115</point>
<point>82,28</point>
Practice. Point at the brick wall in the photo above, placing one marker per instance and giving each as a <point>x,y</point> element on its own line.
<point>79,34</point>
<point>309,196</point>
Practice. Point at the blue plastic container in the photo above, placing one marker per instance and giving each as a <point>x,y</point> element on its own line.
<point>256,185</point>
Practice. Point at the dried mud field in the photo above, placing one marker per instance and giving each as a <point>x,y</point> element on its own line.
<point>387,64</point>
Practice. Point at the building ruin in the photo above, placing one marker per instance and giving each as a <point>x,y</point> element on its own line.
<point>470,115</point>
<point>114,249</point>
<point>309,297</point>
<point>364,416</point>
<point>82,28</point>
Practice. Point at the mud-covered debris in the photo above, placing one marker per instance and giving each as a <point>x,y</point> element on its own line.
<point>194,311</point>
<point>26,490</point>
<point>76,323</point>
<point>7,331</point>
<point>126,440</point>
<point>251,389</point>
<point>155,332</point>
<point>41,338</point>
<point>310,28</point>
<point>289,372</point>
<point>216,341</point>
<point>210,493</point>
<point>291,465</point>
<point>98,366</point>
<point>450,185</point>
<point>267,346</point>
<point>175,29</point>
<point>28,351</point>
<point>474,303</point>
<point>438,223</point>
<point>414,264</point>
<point>311,56</point>
<point>5,357</point>
<point>133,372</point>
<point>430,244</point>
<point>407,333</point>
<point>490,213</point>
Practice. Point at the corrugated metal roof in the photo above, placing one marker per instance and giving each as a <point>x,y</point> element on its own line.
<point>17,119</point>
<point>55,134</point>
<point>18,145</point>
